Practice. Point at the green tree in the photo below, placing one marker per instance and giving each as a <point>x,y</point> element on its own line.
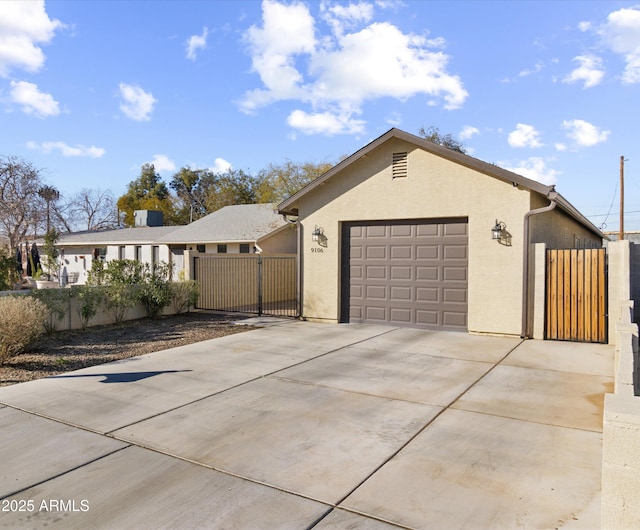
<point>190,186</point>
<point>231,187</point>
<point>147,192</point>
<point>279,181</point>
<point>445,140</point>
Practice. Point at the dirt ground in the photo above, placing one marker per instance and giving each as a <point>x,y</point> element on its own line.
<point>65,351</point>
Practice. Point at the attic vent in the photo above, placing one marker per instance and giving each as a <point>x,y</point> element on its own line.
<point>399,168</point>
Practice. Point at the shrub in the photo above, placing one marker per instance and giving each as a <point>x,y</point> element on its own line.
<point>90,299</point>
<point>9,274</point>
<point>122,279</point>
<point>185,295</point>
<point>57,304</point>
<point>21,319</point>
<point>156,292</point>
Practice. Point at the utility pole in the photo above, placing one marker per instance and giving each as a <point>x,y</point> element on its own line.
<point>621,236</point>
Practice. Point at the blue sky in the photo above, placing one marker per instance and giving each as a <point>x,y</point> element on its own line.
<point>90,91</point>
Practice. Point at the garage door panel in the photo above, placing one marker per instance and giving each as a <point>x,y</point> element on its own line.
<point>400,316</point>
<point>376,231</point>
<point>428,294</point>
<point>428,273</point>
<point>455,229</point>
<point>427,230</point>
<point>401,231</point>
<point>376,292</point>
<point>455,252</point>
<point>454,319</point>
<point>455,295</point>
<point>401,294</point>
<point>376,252</point>
<point>375,272</point>
<point>411,273</point>
<point>455,274</point>
<point>356,272</point>
<point>376,313</point>
<point>427,318</point>
<point>401,252</point>
<point>427,252</point>
<point>401,272</point>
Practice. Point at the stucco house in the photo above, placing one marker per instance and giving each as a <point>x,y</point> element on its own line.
<point>236,229</point>
<point>406,232</point>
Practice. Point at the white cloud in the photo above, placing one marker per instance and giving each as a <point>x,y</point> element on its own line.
<point>341,18</point>
<point>524,136</point>
<point>68,150</point>
<point>395,119</point>
<point>534,168</point>
<point>584,134</point>
<point>23,27</point>
<point>220,165</point>
<point>324,123</point>
<point>136,103</point>
<point>590,71</point>
<point>195,43</point>
<point>336,73</point>
<point>32,100</point>
<point>163,163</point>
<point>621,33</point>
<point>468,132</point>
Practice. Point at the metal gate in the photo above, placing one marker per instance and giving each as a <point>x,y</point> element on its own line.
<point>576,308</point>
<point>248,284</point>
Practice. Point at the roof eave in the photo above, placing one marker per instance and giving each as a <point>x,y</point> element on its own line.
<point>289,206</point>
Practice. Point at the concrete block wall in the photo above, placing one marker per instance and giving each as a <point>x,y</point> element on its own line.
<point>621,429</point>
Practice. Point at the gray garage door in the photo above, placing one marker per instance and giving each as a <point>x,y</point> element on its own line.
<point>409,273</point>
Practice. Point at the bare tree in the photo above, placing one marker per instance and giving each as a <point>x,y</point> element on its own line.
<point>92,210</point>
<point>20,203</point>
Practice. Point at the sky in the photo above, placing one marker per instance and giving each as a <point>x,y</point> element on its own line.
<point>91,91</point>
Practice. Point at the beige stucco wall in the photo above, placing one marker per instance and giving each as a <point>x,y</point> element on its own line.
<point>283,241</point>
<point>434,188</point>
<point>558,230</point>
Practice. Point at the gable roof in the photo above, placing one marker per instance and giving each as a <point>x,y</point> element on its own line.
<point>242,223</point>
<point>142,235</point>
<point>238,223</point>
<point>290,207</point>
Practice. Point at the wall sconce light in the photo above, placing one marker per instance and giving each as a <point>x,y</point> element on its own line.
<point>317,234</point>
<point>500,234</point>
<point>498,230</point>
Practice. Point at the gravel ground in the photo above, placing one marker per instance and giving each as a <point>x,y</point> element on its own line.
<point>65,351</point>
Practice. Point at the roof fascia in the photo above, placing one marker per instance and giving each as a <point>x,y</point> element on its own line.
<point>288,206</point>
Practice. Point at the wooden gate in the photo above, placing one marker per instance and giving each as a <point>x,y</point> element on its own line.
<point>576,308</point>
<point>247,283</point>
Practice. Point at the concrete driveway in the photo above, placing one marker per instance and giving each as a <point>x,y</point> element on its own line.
<point>299,425</point>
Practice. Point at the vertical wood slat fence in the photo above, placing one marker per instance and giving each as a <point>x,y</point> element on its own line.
<point>576,308</point>
<point>248,284</point>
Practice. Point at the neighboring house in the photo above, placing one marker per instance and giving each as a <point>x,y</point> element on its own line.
<point>233,229</point>
<point>401,233</point>
<point>78,250</point>
<point>239,229</point>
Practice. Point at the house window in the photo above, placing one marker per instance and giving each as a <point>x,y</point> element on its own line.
<point>201,248</point>
<point>121,251</point>
<point>245,248</point>
<point>155,255</point>
<point>399,167</point>
<point>100,253</point>
<point>138,254</point>
<point>222,249</point>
